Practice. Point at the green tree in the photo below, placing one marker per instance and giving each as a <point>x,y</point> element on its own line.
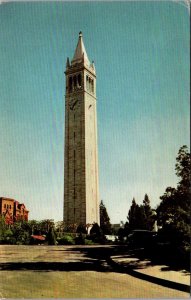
<point>148,213</point>
<point>3,228</point>
<point>45,225</point>
<point>131,223</point>
<point>6,234</point>
<point>96,234</point>
<point>21,233</point>
<point>182,168</point>
<point>81,229</point>
<point>174,209</point>
<point>139,216</point>
<point>34,227</point>
<point>60,226</point>
<point>136,217</point>
<point>105,224</point>
<point>51,236</point>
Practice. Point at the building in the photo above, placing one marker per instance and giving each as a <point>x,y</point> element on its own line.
<point>12,210</point>
<point>81,190</point>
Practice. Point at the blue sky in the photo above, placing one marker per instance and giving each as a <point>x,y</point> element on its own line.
<point>141,54</point>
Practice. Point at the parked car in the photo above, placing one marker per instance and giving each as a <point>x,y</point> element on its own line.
<point>142,239</point>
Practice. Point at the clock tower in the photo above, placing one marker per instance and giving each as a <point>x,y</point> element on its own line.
<point>81,188</point>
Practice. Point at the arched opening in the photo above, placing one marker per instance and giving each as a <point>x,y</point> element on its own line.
<point>75,82</point>
<point>70,84</point>
<point>87,83</point>
<point>90,87</point>
<point>79,80</point>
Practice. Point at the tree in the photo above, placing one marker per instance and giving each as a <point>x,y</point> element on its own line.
<point>34,227</point>
<point>21,233</point>
<point>136,217</point>
<point>175,203</point>
<point>182,168</point>
<point>105,224</point>
<point>3,228</point>
<point>148,213</point>
<point>60,226</point>
<point>6,234</point>
<point>96,234</point>
<point>96,230</point>
<point>132,216</point>
<point>81,229</point>
<point>139,216</point>
<point>51,237</point>
<point>174,209</point>
<point>45,225</point>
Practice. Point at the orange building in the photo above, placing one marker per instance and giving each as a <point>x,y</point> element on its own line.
<point>12,210</point>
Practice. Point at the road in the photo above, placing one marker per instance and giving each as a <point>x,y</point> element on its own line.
<point>70,272</point>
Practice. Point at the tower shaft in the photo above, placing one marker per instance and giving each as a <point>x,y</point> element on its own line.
<point>81,190</point>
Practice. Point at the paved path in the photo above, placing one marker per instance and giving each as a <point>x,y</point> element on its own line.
<point>70,272</point>
<point>160,274</point>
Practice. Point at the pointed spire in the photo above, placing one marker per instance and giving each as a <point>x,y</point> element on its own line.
<point>67,63</point>
<point>93,65</point>
<point>80,53</point>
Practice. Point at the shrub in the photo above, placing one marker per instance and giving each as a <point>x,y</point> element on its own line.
<point>89,242</point>
<point>96,234</point>
<point>51,237</point>
<point>81,229</point>
<point>66,240</point>
<point>80,240</point>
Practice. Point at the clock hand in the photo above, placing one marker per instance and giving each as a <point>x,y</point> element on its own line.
<point>72,106</point>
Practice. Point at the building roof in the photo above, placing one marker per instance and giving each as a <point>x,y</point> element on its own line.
<point>38,237</point>
<point>5,198</point>
<point>80,52</point>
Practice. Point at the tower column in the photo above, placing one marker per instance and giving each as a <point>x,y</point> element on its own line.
<point>81,188</point>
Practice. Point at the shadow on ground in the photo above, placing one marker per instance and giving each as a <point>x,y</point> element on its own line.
<point>138,259</point>
<point>100,259</point>
<point>85,265</point>
<point>150,257</point>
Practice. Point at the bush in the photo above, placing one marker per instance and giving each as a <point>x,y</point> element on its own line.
<point>51,237</point>
<point>80,240</point>
<point>96,234</point>
<point>81,229</point>
<point>20,236</point>
<point>89,242</point>
<point>66,240</point>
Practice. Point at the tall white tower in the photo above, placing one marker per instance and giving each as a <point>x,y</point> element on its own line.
<point>81,188</point>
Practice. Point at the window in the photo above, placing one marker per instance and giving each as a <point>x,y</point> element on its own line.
<point>87,83</point>
<point>70,84</point>
<point>4,205</point>
<point>79,80</point>
<point>74,80</point>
